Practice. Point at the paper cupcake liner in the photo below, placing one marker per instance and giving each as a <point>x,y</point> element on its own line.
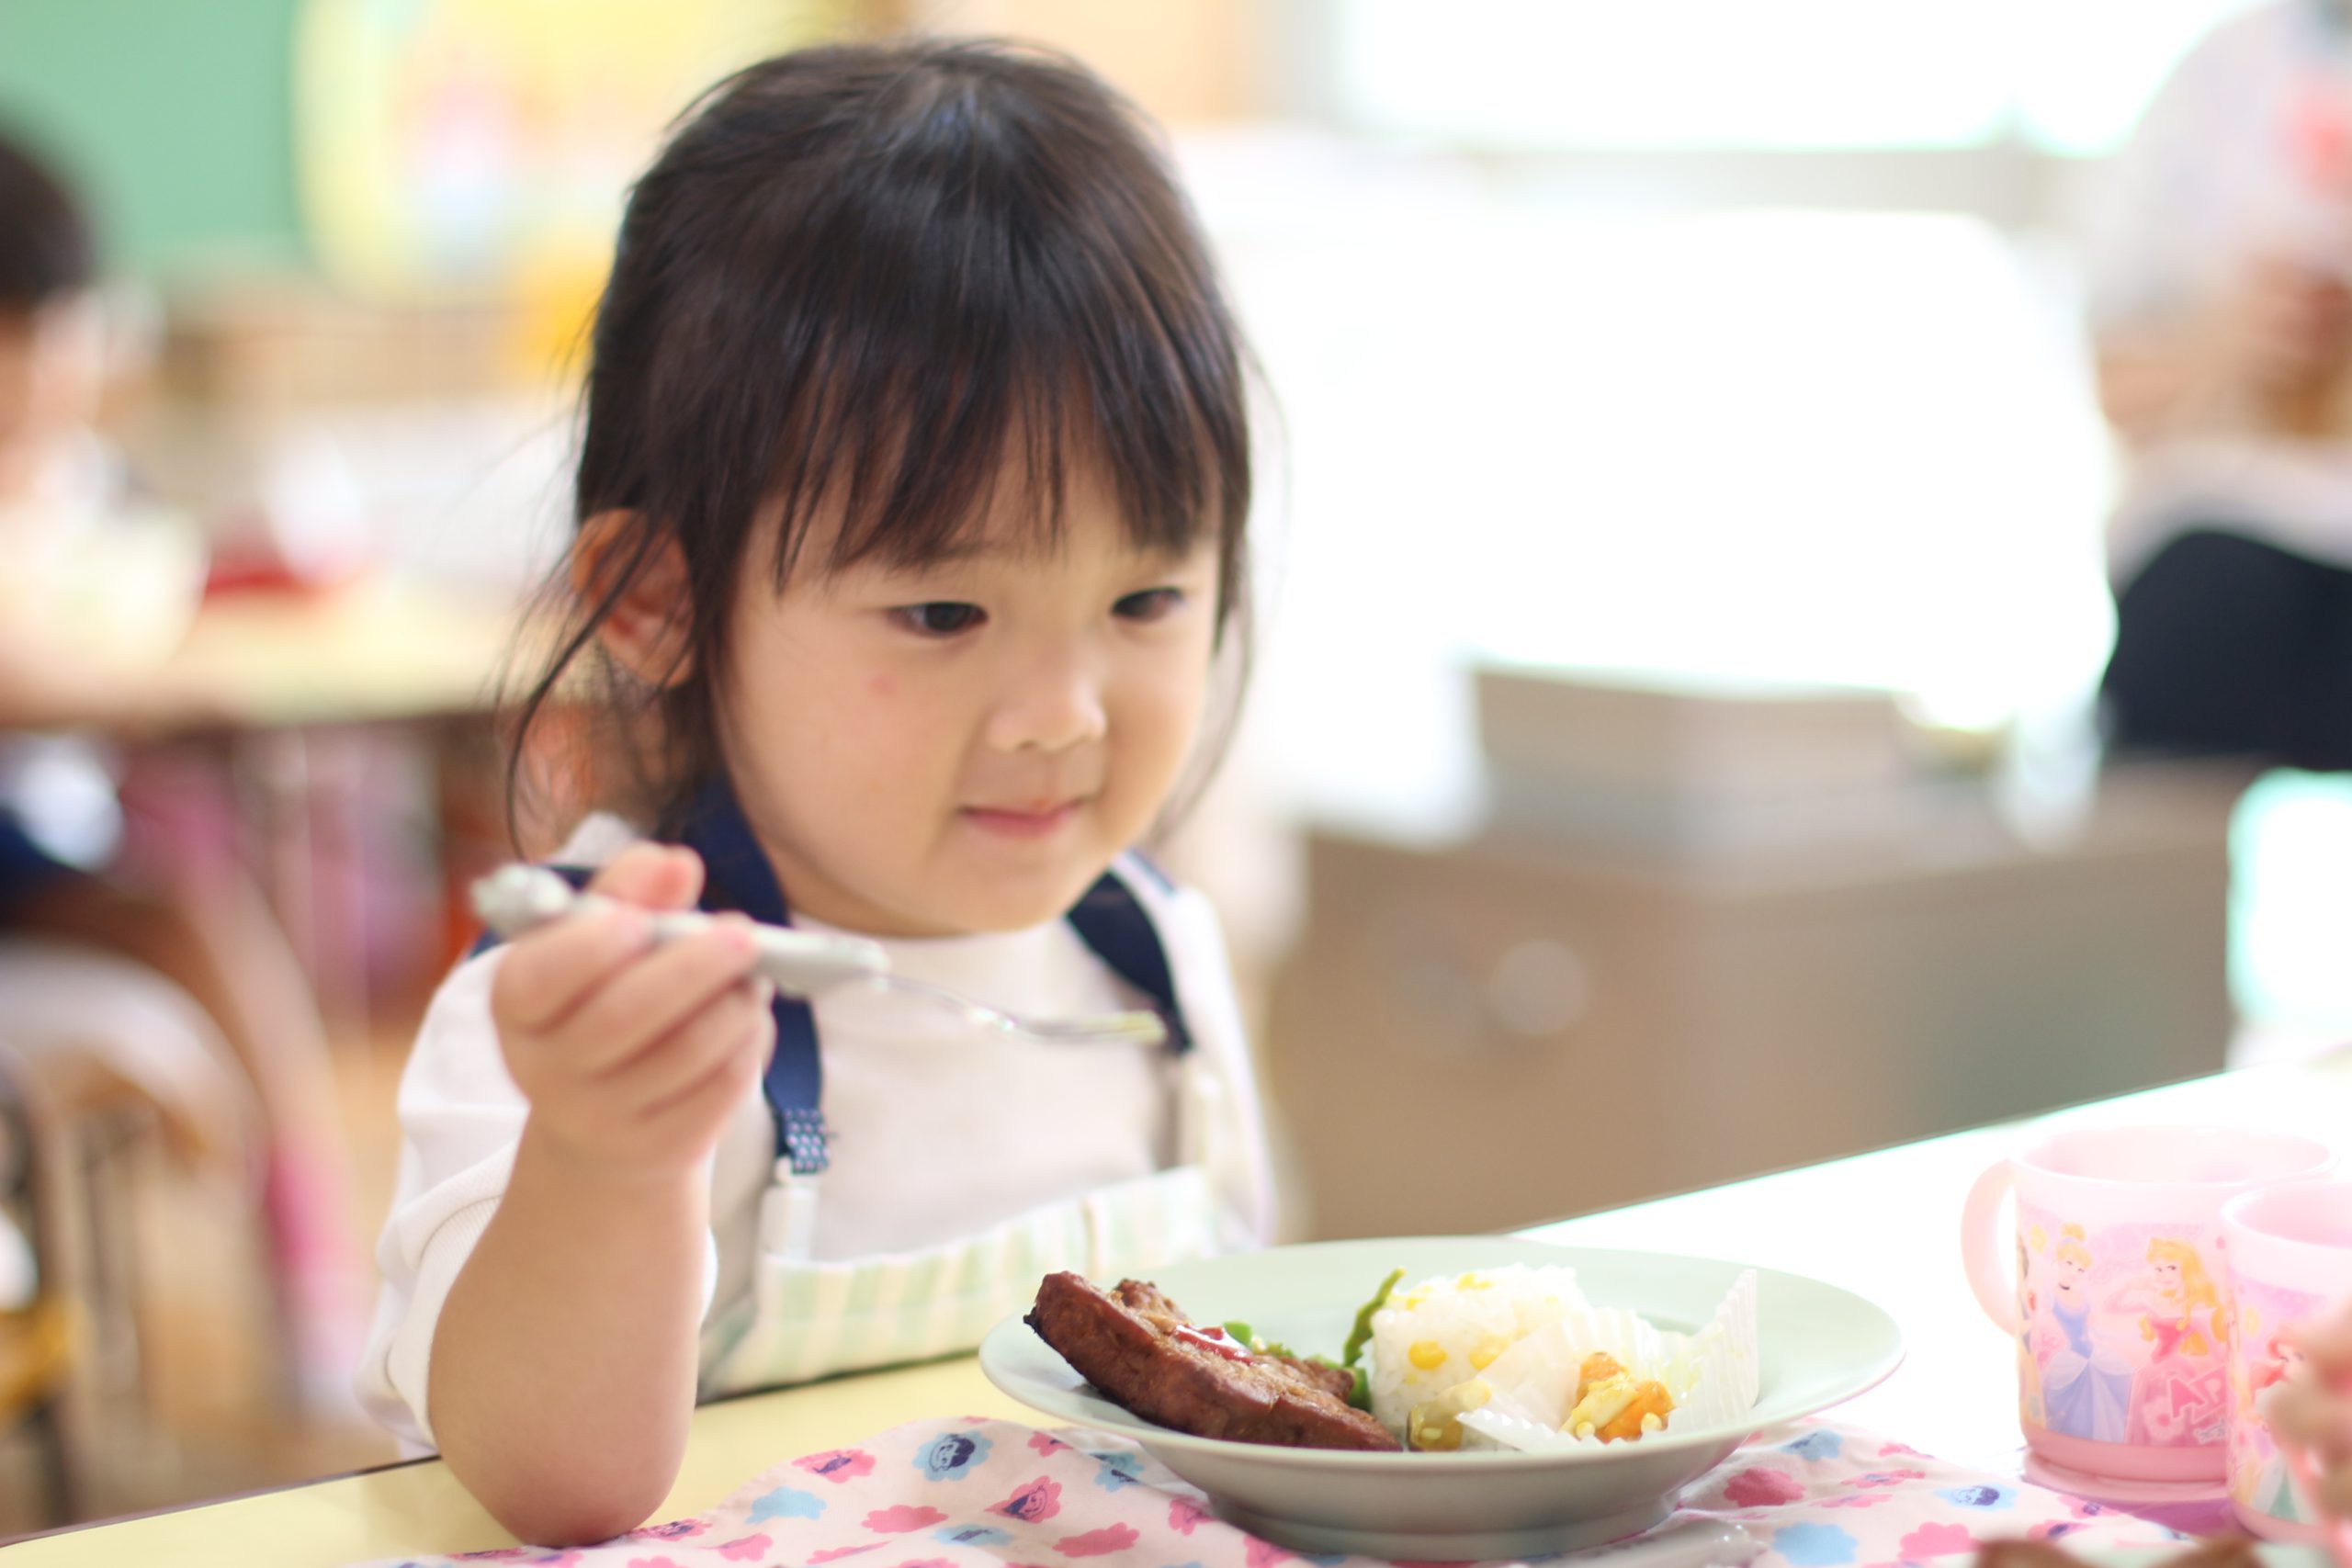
<point>1714,1375</point>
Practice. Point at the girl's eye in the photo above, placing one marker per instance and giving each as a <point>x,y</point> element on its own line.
<point>1150,604</point>
<point>942,617</point>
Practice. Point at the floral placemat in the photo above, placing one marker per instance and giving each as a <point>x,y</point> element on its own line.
<point>965,1493</point>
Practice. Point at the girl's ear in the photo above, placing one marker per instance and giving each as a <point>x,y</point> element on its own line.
<point>649,628</point>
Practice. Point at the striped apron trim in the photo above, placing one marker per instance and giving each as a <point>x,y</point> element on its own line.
<point>811,1319</point>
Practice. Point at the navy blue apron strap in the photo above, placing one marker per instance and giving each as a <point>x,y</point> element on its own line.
<point>792,1071</point>
<point>1110,920</point>
<point>1113,923</point>
<point>737,875</point>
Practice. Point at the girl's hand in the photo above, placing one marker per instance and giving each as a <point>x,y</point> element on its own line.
<point>2285,327</point>
<point>633,1056</point>
<point>2314,1410</point>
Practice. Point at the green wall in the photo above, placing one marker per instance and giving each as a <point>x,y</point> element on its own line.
<point>173,114</point>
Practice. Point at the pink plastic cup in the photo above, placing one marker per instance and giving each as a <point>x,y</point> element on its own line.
<point>2290,1262</point>
<point>2116,1294</point>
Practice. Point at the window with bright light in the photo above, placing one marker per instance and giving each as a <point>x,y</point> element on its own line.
<point>2064,77</point>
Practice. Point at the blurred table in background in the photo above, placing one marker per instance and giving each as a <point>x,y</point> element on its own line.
<point>371,652</point>
<point>1707,937</point>
<point>341,744</point>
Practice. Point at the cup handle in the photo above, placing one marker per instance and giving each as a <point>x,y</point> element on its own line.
<point>1979,1245</point>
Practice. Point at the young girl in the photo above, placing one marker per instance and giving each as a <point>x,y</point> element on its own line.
<point>911,504</point>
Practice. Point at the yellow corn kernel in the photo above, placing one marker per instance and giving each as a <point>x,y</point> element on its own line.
<point>1585,1430</point>
<point>1436,1426</point>
<point>1603,1402</point>
<point>1426,1354</point>
<point>1482,1354</point>
<point>1474,1281</point>
<point>1650,1423</point>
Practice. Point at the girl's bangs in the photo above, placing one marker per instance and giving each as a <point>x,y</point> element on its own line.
<point>928,467</point>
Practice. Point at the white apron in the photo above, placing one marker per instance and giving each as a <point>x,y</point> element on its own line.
<point>804,1319</point>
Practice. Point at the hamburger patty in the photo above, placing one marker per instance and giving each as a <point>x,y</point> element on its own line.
<point>1138,1347</point>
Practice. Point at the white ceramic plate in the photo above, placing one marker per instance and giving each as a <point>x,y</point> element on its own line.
<point>1818,1345</point>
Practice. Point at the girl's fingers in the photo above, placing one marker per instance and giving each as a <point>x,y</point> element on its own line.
<point>2336,1492</point>
<point>659,876</point>
<point>2329,1343</point>
<point>549,974</point>
<point>631,1012</point>
<point>736,1019</point>
<point>2315,1420</point>
<point>708,1101</point>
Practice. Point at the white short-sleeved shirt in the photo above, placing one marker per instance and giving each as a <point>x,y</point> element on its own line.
<point>2222,168</point>
<point>938,1129</point>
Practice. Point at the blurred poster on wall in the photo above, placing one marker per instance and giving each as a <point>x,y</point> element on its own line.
<point>470,148</point>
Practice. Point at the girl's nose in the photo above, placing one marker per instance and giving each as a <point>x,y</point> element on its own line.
<point>1054,706</point>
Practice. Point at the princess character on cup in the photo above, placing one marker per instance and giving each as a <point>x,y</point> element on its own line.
<point>2087,1384</point>
<point>2281,1367</point>
<point>2181,1396</point>
<point>2029,1319</point>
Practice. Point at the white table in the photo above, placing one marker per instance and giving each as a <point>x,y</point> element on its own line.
<point>1884,1225</point>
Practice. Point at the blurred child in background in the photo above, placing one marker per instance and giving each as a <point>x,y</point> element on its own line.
<point>2221,306</point>
<point>96,595</point>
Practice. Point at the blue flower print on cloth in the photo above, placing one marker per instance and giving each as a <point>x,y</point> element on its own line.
<point>972,1535</point>
<point>786,1503</point>
<point>1816,1546</point>
<point>1119,1468</point>
<point>1818,1445</point>
<point>952,1454</point>
<point>966,1493</point>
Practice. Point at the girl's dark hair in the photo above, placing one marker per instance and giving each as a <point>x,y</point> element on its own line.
<point>881,279</point>
<point>46,251</point>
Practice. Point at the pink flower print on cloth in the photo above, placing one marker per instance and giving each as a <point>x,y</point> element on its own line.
<point>1098,1543</point>
<point>1936,1540</point>
<point>1256,1553</point>
<point>970,1493</point>
<point>837,1465</point>
<point>1033,1503</point>
<point>901,1519</point>
<point>1761,1486</point>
